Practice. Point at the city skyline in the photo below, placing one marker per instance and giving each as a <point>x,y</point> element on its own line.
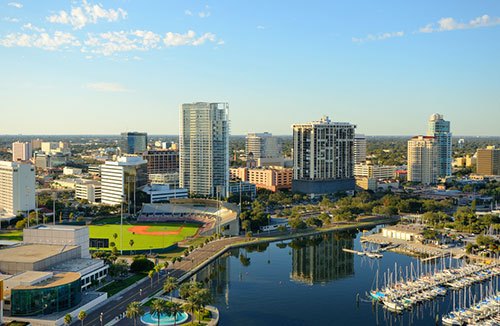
<point>394,63</point>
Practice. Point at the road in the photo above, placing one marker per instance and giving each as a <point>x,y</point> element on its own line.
<point>117,304</point>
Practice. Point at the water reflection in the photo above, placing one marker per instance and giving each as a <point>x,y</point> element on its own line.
<point>321,259</point>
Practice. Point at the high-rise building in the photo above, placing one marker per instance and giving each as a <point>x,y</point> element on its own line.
<point>17,187</point>
<point>262,145</point>
<point>359,148</point>
<point>204,148</point>
<point>163,166</point>
<point>323,157</point>
<point>121,179</point>
<point>440,130</point>
<point>162,161</point>
<point>21,151</point>
<point>423,159</point>
<point>133,142</point>
<point>50,147</point>
<point>488,161</point>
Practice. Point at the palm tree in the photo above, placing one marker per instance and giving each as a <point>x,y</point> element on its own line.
<point>189,307</point>
<point>68,319</point>
<point>151,274</point>
<point>157,270</point>
<point>170,286</point>
<point>175,310</point>
<point>158,307</point>
<point>134,310</point>
<point>115,235</point>
<point>131,243</point>
<point>165,264</point>
<point>82,315</point>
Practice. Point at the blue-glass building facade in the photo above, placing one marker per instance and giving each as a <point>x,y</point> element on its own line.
<point>440,129</point>
<point>133,142</point>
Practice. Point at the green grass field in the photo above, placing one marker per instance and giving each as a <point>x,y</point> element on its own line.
<point>143,241</point>
<point>11,235</point>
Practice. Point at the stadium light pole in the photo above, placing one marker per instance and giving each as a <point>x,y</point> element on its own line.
<point>121,224</point>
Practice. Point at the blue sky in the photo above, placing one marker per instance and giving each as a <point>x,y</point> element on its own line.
<point>84,67</point>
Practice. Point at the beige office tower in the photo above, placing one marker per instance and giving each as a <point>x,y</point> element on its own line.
<point>204,148</point>
<point>488,161</point>
<point>262,145</point>
<point>21,151</point>
<point>422,160</point>
<point>17,188</point>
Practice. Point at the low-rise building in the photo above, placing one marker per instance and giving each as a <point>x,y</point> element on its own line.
<point>375,171</point>
<point>244,188</point>
<point>71,171</point>
<point>158,193</point>
<point>273,178</point>
<point>89,190</point>
<point>411,232</point>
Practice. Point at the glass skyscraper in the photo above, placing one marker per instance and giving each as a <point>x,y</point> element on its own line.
<point>133,142</point>
<point>204,148</point>
<point>440,130</point>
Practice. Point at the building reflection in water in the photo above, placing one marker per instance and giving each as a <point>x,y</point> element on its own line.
<point>215,276</point>
<point>321,259</point>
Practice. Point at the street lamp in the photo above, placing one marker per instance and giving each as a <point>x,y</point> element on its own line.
<point>101,318</point>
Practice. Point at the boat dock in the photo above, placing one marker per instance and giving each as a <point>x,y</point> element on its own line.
<point>370,254</point>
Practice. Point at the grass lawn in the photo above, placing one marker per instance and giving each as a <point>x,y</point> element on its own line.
<point>11,235</point>
<point>117,286</point>
<point>144,241</point>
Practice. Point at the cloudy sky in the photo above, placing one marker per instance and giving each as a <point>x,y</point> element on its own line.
<point>84,67</point>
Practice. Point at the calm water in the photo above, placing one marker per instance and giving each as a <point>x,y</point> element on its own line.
<point>308,282</point>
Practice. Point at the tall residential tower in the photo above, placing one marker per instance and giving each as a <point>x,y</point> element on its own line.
<point>440,130</point>
<point>204,148</point>
<point>423,159</point>
<point>323,157</point>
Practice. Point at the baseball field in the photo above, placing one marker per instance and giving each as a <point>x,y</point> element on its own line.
<point>144,236</point>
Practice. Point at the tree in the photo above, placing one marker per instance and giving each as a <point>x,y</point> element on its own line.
<point>170,285</point>
<point>158,307</point>
<point>297,223</point>
<point>175,309</point>
<point>21,224</point>
<point>68,319</point>
<point>246,225</point>
<point>151,274</point>
<point>115,235</point>
<point>71,216</point>
<point>134,311</point>
<point>157,270</point>
<point>141,264</point>
<point>82,315</point>
<point>189,307</point>
<point>131,243</point>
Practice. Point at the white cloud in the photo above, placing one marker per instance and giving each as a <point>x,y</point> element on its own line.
<point>450,24</point>
<point>261,27</point>
<point>55,41</point>
<point>112,42</point>
<point>378,37</point>
<point>202,14</point>
<point>15,5</point>
<point>189,38</point>
<point>11,19</point>
<point>31,27</point>
<point>86,14</point>
<point>107,87</point>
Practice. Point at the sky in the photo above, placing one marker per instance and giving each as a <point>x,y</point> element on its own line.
<point>86,67</point>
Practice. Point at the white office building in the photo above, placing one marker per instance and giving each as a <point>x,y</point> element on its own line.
<point>158,193</point>
<point>89,190</point>
<point>440,130</point>
<point>204,148</point>
<point>262,145</point>
<point>120,179</point>
<point>375,171</point>
<point>17,187</point>
<point>21,151</point>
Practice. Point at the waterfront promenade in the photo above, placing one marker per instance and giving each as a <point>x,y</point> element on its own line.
<point>197,259</point>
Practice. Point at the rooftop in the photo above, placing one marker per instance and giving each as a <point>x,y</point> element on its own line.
<point>75,265</point>
<point>411,228</point>
<point>58,279</point>
<point>31,253</point>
